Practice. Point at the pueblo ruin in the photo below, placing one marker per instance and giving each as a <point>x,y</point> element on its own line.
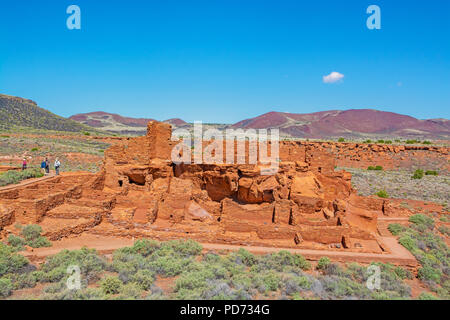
<point>140,192</point>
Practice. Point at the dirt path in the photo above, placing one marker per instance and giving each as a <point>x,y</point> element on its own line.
<point>106,245</point>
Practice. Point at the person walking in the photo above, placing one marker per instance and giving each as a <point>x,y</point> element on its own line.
<point>43,165</point>
<point>47,166</point>
<point>24,164</point>
<point>57,165</point>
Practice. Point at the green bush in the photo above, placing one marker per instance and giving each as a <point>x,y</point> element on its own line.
<point>444,230</point>
<point>341,140</point>
<point>421,219</point>
<point>368,141</point>
<point>13,177</point>
<point>382,194</point>
<point>55,267</point>
<point>130,291</point>
<point>144,278</point>
<point>16,242</point>
<point>111,285</point>
<point>246,257</point>
<point>426,142</point>
<point>426,296</point>
<point>323,263</point>
<point>184,247</point>
<point>33,238</point>
<point>5,287</point>
<point>31,231</point>
<point>388,142</point>
<point>407,242</point>
<point>271,280</point>
<point>431,173</point>
<point>418,174</point>
<point>145,247</point>
<point>429,273</point>
<point>380,141</point>
<point>10,261</point>
<point>378,168</point>
<point>395,228</point>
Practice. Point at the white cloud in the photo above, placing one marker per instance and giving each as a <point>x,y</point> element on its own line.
<point>333,77</point>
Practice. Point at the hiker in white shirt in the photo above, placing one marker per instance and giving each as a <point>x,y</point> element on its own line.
<point>57,165</point>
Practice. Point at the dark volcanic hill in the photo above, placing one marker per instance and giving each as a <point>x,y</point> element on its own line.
<point>19,112</point>
<point>349,123</point>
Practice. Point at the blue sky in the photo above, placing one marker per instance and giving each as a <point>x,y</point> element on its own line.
<point>223,61</point>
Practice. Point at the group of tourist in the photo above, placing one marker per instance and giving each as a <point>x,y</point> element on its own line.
<point>45,166</point>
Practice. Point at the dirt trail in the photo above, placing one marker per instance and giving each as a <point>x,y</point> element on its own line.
<point>105,245</point>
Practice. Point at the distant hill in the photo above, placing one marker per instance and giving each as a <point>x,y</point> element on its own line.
<point>19,112</point>
<point>348,123</point>
<point>325,124</point>
<point>119,124</point>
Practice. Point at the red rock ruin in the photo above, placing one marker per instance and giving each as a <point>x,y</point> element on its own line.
<point>140,192</point>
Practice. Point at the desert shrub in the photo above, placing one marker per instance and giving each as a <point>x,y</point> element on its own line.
<point>13,177</point>
<point>280,261</point>
<point>421,219</point>
<point>388,142</point>
<point>130,291</point>
<point>430,273</point>
<point>418,174</point>
<point>431,173</point>
<point>33,238</point>
<point>269,279</point>
<point>380,141</point>
<point>368,141</point>
<point>395,228</point>
<point>426,142</point>
<point>40,242</point>
<point>294,284</point>
<point>341,140</point>
<point>144,278</point>
<point>31,231</point>
<point>191,280</point>
<point>426,296</point>
<point>16,242</point>
<point>145,247</point>
<point>323,263</point>
<point>89,294</point>
<point>412,141</point>
<point>444,230</point>
<point>170,266</point>
<point>342,287</point>
<point>246,257</point>
<point>5,287</point>
<point>55,267</point>
<point>408,242</point>
<point>402,273</point>
<point>10,261</point>
<point>111,285</point>
<point>382,194</point>
<point>377,168</point>
<point>184,248</point>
